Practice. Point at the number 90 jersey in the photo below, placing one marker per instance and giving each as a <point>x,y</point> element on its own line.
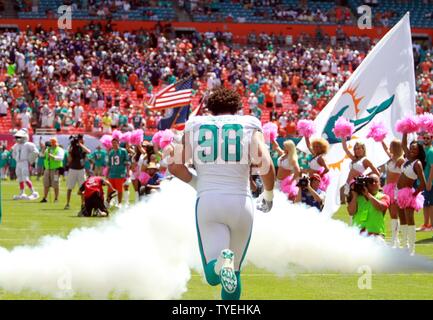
<point>220,147</point>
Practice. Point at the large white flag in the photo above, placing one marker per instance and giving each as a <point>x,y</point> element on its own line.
<point>382,89</point>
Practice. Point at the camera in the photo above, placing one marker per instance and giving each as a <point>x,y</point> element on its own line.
<point>75,139</point>
<point>303,182</point>
<point>360,182</point>
<point>48,144</point>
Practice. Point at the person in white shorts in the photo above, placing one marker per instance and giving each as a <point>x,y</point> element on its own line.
<point>76,160</point>
<point>223,147</point>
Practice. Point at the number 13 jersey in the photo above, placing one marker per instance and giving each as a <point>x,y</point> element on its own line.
<point>220,148</point>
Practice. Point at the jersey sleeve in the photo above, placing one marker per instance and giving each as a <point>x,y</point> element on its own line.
<point>192,123</point>
<point>253,123</point>
<point>127,160</point>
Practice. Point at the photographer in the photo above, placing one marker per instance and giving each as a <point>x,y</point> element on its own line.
<point>76,160</point>
<point>310,193</point>
<point>53,161</point>
<point>368,205</point>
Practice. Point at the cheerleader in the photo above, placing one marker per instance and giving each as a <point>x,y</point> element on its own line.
<point>288,168</point>
<point>394,166</point>
<point>409,199</point>
<point>359,165</point>
<point>138,168</point>
<point>318,148</point>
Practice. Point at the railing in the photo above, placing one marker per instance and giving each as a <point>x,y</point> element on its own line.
<point>45,131</point>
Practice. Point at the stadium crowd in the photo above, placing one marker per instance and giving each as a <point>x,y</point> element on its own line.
<point>99,81</point>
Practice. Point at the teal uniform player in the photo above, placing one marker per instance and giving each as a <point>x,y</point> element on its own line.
<point>4,158</point>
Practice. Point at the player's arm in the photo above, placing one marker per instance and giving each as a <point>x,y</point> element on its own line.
<point>261,158</point>
<point>180,154</point>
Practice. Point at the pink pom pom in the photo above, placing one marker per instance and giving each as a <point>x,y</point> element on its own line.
<point>166,138</point>
<point>325,182</point>
<point>270,131</point>
<point>117,134</point>
<point>425,122</point>
<point>106,141</point>
<point>418,202</point>
<point>407,125</point>
<point>288,186</point>
<point>343,128</point>
<point>377,131</point>
<point>126,137</point>
<point>156,139</point>
<point>137,137</point>
<point>306,128</point>
<point>406,199</point>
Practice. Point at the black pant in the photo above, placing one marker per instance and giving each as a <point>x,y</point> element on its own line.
<point>95,201</point>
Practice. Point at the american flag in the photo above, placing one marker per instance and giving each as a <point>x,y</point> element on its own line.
<point>175,95</point>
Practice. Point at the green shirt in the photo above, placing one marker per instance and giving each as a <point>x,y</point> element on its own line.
<point>4,157</point>
<point>261,98</point>
<point>50,163</point>
<point>99,157</point>
<point>117,162</point>
<point>87,164</point>
<point>428,162</point>
<point>40,162</point>
<point>11,69</point>
<point>137,120</point>
<point>123,119</point>
<point>368,217</point>
<point>65,159</point>
<point>12,162</point>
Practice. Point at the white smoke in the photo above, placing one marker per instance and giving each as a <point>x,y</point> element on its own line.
<point>148,251</point>
<point>144,252</point>
<point>293,238</point>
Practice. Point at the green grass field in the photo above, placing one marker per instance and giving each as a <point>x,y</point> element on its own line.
<point>24,223</point>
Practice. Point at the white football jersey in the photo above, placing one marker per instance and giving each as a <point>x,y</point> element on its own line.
<point>220,151</point>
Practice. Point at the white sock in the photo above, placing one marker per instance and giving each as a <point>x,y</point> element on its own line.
<point>411,236</point>
<point>137,196</point>
<point>126,196</point>
<point>394,232</point>
<point>403,229</point>
<point>350,220</point>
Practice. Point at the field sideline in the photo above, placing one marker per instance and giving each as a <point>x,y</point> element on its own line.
<point>24,223</point>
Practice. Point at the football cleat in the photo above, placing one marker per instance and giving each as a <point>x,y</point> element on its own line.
<point>226,270</point>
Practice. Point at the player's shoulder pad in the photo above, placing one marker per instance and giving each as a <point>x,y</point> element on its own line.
<point>194,121</point>
<point>252,122</point>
